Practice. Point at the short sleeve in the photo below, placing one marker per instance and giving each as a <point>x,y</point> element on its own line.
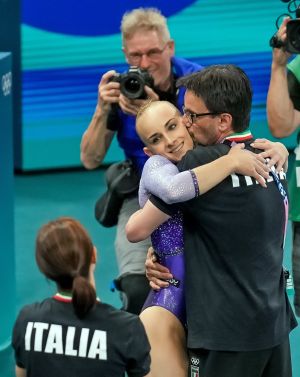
<point>138,350</point>
<point>18,340</point>
<point>294,90</point>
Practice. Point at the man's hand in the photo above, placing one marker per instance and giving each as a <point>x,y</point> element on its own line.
<point>275,151</point>
<point>155,272</point>
<point>132,106</point>
<point>250,164</point>
<point>108,91</point>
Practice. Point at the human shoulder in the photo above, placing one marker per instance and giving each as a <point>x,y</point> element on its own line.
<point>201,155</point>
<point>183,67</point>
<point>156,161</point>
<point>35,309</point>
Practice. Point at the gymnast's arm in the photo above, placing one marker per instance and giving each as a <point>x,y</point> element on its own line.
<point>161,177</point>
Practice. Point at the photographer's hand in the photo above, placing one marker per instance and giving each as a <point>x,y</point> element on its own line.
<point>132,106</point>
<point>108,91</point>
<point>97,137</point>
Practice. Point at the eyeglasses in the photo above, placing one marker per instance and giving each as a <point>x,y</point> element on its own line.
<point>193,116</point>
<point>153,54</point>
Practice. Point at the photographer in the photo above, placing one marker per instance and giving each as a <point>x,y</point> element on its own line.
<point>147,45</point>
<point>283,109</point>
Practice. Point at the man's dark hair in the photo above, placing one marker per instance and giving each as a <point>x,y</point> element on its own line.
<point>224,89</point>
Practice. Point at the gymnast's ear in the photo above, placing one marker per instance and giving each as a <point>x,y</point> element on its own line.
<point>148,152</point>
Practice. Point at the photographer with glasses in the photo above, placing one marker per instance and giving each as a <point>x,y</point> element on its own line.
<point>283,108</point>
<point>146,44</point>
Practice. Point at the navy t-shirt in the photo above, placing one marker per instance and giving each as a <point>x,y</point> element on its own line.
<point>49,340</point>
<point>235,287</point>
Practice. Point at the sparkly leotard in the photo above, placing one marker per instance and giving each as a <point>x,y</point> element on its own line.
<point>161,178</point>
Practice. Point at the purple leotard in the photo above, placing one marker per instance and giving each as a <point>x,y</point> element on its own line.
<point>162,178</point>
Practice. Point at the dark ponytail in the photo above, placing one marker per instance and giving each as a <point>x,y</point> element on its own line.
<point>64,253</point>
<point>83,296</point>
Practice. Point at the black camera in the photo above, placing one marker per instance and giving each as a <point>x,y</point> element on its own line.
<point>293,36</point>
<point>292,43</point>
<point>132,82</point>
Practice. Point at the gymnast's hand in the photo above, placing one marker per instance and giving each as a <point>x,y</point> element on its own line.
<point>155,272</point>
<point>275,151</point>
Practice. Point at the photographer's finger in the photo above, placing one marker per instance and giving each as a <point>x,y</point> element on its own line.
<point>107,76</point>
<point>126,108</point>
<point>151,94</point>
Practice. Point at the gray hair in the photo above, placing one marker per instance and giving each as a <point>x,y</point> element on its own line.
<point>146,19</point>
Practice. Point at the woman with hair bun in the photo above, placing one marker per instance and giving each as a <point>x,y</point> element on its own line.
<point>73,333</point>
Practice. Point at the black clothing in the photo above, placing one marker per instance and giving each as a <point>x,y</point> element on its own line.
<point>267,363</point>
<point>49,340</point>
<point>134,289</point>
<point>235,286</point>
<point>294,89</point>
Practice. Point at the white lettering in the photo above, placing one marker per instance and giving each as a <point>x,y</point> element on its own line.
<point>58,343</point>
<point>39,329</point>
<point>235,180</point>
<point>70,351</point>
<point>248,180</point>
<point>98,345</point>
<point>298,176</point>
<point>54,341</point>
<point>28,336</point>
<point>83,342</point>
<point>297,153</point>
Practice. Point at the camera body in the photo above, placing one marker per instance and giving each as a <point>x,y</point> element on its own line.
<point>133,81</point>
<point>293,36</point>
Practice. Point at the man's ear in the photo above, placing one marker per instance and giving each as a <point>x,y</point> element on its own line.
<point>225,124</point>
<point>172,47</point>
<point>147,152</point>
<point>124,52</point>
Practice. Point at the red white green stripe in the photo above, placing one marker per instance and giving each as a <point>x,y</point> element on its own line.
<point>66,297</point>
<point>63,296</point>
<point>239,137</point>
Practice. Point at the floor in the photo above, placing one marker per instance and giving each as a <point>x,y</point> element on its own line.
<point>41,197</point>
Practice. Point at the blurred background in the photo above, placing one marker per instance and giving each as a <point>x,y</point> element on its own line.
<point>52,55</point>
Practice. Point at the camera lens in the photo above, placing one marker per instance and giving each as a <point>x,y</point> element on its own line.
<point>132,85</point>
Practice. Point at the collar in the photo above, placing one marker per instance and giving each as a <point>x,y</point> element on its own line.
<point>66,296</point>
<point>238,137</point>
<point>63,296</point>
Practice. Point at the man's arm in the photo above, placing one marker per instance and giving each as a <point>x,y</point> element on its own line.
<point>97,138</point>
<point>283,118</point>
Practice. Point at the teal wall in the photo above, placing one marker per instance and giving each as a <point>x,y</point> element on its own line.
<point>7,257</point>
<point>61,72</point>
